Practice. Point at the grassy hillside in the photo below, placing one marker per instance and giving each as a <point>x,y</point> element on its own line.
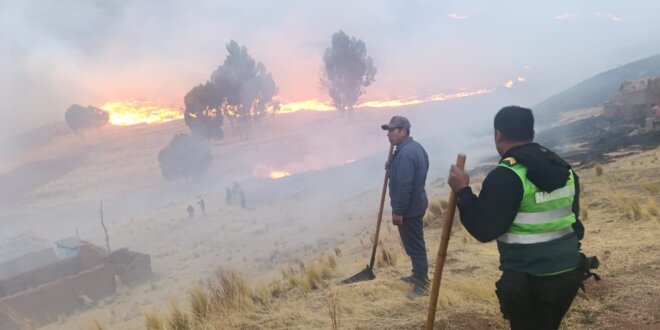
<point>620,212</point>
<point>595,90</point>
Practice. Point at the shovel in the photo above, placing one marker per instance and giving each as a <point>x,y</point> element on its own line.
<point>368,273</point>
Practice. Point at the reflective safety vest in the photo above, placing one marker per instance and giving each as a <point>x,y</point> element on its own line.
<point>540,240</point>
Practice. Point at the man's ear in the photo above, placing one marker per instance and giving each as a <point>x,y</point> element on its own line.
<point>499,137</point>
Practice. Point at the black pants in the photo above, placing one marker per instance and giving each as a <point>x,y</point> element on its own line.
<point>412,236</point>
<point>536,302</point>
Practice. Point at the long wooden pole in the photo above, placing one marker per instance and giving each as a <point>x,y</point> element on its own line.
<point>382,205</point>
<point>442,251</point>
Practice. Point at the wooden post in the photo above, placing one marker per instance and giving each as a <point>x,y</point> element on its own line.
<point>107,238</point>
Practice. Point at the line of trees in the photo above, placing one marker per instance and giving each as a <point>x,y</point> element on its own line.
<point>242,91</point>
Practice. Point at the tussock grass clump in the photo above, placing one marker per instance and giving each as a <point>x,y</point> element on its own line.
<point>313,274</point>
<point>616,199</point>
<point>153,321</point>
<point>277,288</point>
<point>327,266</point>
<point>435,212</point>
<point>426,221</point>
<point>635,208</point>
<point>310,279</point>
<point>465,291</point>
<point>584,210</point>
<point>310,276</point>
<point>584,213</point>
<point>261,293</point>
<point>200,304</point>
<point>179,320</point>
<point>653,188</point>
<point>96,325</point>
<point>599,170</point>
<point>290,276</point>
<point>652,208</point>
<point>387,257</point>
<point>228,289</point>
<point>629,206</point>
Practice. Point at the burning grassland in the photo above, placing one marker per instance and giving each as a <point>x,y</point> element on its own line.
<point>126,113</point>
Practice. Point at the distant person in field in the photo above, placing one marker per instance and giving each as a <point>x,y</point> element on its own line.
<point>191,212</point>
<point>202,206</point>
<point>530,204</point>
<point>242,193</point>
<point>228,197</point>
<point>407,180</point>
<point>236,189</point>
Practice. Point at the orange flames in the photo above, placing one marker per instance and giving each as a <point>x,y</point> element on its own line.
<point>278,174</point>
<point>316,105</point>
<point>125,113</point>
<point>510,83</point>
<point>262,171</point>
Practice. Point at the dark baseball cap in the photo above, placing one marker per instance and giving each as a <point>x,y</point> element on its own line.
<point>397,122</point>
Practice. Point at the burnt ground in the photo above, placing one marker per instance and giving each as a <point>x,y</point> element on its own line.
<point>595,137</point>
<point>590,141</point>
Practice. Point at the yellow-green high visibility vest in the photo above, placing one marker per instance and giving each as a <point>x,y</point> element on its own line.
<point>540,240</point>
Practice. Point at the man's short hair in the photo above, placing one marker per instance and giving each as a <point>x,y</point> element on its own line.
<point>516,123</point>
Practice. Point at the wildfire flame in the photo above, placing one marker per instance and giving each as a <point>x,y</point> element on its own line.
<point>316,105</point>
<point>305,105</point>
<point>125,113</point>
<point>510,83</point>
<point>278,174</point>
<point>262,171</point>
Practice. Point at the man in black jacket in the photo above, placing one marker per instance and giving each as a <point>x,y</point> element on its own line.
<point>530,204</point>
<point>407,178</point>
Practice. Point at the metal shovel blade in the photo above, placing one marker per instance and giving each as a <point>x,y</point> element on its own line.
<point>366,274</point>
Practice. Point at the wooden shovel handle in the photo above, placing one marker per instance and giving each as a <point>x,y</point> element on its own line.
<point>442,251</point>
<point>382,206</point>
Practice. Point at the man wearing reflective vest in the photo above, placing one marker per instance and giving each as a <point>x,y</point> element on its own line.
<point>530,204</point>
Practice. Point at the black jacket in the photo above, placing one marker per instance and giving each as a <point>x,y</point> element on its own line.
<point>490,215</point>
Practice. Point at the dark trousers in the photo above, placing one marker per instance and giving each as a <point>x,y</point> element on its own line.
<point>536,302</point>
<point>412,236</point>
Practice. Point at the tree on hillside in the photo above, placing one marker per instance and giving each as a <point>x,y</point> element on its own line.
<point>240,89</point>
<point>347,71</point>
<point>187,156</point>
<point>203,113</point>
<point>80,119</point>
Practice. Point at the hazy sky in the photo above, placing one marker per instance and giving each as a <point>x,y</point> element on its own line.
<point>54,53</point>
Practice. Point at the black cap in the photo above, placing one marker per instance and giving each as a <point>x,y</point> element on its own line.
<point>397,122</point>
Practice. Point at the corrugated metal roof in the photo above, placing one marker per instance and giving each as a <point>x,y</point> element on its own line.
<point>69,243</point>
